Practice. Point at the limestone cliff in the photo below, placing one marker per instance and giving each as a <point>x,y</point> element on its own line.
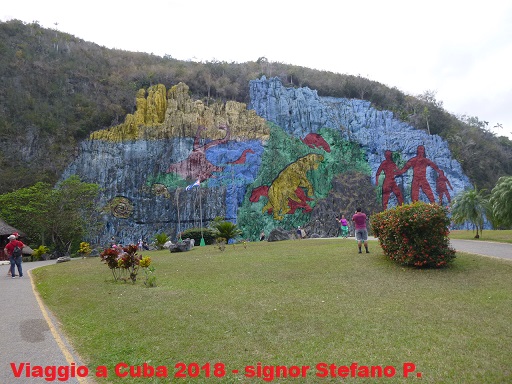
<point>289,158</point>
<point>300,111</point>
<point>162,114</point>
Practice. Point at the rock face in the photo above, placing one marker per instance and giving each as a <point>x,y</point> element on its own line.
<point>301,111</point>
<point>291,158</point>
<point>349,191</point>
<point>280,234</point>
<point>182,246</point>
<point>133,206</point>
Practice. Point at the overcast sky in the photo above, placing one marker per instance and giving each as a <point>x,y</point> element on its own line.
<point>461,50</point>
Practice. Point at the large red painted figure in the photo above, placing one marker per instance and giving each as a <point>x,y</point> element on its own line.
<point>419,164</point>
<point>389,184</point>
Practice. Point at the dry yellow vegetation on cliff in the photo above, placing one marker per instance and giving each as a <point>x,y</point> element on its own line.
<point>162,114</point>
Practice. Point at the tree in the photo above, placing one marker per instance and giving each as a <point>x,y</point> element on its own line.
<point>73,213</point>
<point>225,229</point>
<point>27,209</point>
<point>501,201</point>
<point>60,216</point>
<point>470,206</point>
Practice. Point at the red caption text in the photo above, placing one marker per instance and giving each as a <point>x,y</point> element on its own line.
<point>194,370</point>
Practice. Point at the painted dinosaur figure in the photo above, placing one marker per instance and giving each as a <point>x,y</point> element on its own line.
<point>262,190</point>
<point>286,194</point>
<point>314,140</point>
<point>243,157</point>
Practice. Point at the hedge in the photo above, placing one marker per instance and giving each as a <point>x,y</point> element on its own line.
<point>415,234</point>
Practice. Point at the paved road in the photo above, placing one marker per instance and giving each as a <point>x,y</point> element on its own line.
<point>31,334</point>
<point>477,247</point>
<point>483,248</point>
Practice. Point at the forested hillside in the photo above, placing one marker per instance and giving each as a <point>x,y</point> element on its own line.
<point>55,89</point>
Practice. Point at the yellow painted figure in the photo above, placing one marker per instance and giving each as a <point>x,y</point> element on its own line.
<point>283,190</point>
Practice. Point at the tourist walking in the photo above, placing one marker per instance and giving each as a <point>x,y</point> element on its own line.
<point>361,232</point>
<point>14,249</point>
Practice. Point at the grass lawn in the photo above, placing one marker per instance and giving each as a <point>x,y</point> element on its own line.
<point>290,303</point>
<point>504,236</point>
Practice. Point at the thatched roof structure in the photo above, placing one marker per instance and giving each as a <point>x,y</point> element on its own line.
<point>6,229</point>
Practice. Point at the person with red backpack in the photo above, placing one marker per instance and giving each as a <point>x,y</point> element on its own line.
<point>14,249</point>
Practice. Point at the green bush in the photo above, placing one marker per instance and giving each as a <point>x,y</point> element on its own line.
<point>226,230</point>
<point>160,240</point>
<point>39,252</point>
<point>415,235</point>
<point>195,233</point>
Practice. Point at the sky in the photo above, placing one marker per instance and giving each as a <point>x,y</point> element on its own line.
<point>459,50</point>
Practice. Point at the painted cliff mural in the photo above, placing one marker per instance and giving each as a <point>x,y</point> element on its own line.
<point>390,170</point>
<point>419,165</point>
<point>289,158</point>
<point>286,193</point>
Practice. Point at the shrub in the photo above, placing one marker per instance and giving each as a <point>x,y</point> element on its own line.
<point>149,271</point>
<point>195,233</point>
<point>221,243</point>
<point>85,249</point>
<point>226,230</point>
<point>39,252</point>
<point>160,240</point>
<point>122,261</point>
<point>415,234</point>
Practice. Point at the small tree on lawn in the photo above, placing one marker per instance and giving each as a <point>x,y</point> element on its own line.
<point>160,240</point>
<point>225,229</point>
<point>470,205</point>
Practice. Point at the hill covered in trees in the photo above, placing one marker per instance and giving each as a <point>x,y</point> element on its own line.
<point>55,89</point>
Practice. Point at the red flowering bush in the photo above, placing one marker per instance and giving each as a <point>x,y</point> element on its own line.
<point>109,256</point>
<point>415,234</point>
<point>122,261</point>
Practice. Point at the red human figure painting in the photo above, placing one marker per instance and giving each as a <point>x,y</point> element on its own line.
<point>389,184</point>
<point>442,185</point>
<point>419,165</point>
<point>196,164</point>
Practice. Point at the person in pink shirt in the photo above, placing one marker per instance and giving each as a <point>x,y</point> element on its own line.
<point>344,226</point>
<point>361,232</point>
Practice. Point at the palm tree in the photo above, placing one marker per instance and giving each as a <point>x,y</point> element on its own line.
<point>160,240</point>
<point>226,229</point>
<point>501,201</point>
<point>470,206</point>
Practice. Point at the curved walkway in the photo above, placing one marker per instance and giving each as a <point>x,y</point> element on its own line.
<point>32,336</point>
<point>30,333</point>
